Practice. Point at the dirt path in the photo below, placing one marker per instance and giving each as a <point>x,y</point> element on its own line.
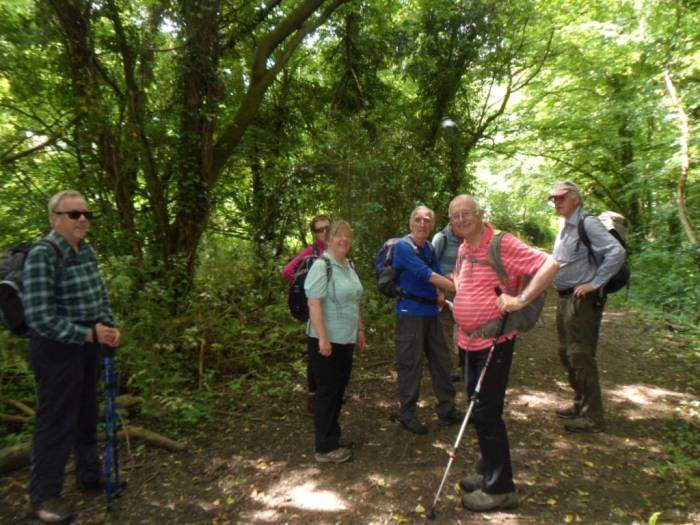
<point>258,467</point>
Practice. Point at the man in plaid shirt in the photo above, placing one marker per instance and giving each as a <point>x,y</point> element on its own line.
<point>67,308</point>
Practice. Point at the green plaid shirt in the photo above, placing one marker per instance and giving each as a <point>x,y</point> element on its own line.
<point>61,297</point>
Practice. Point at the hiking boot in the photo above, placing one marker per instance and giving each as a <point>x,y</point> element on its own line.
<point>479,501</point>
<point>567,412</point>
<point>54,510</point>
<point>415,426</point>
<point>91,485</point>
<point>339,455</point>
<point>452,417</point>
<point>583,424</point>
<point>471,483</point>
<point>311,402</point>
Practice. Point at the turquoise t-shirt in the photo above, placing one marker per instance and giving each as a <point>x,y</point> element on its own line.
<point>341,299</point>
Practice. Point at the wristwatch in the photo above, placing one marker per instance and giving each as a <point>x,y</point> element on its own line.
<point>522,298</point>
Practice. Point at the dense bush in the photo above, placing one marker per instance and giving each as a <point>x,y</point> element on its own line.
<point>666,279</point>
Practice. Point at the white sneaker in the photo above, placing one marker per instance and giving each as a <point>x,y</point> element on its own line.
<point>55,510</point>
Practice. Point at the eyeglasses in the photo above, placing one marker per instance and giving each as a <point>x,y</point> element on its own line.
<point>322,230</point>
<point>461,215</point>
<point>75,214</point>
<point>558,198</point>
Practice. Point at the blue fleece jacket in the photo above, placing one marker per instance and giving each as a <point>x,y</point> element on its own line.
<point>414,277</point>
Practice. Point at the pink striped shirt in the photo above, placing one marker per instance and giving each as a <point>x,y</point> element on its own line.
<point>475,302</point>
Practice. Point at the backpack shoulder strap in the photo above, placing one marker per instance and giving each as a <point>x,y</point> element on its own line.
<point>59,257</point>
<point>55,247</point>
<point>417,251</point>
<point>583,235</point>
<point>496,260</point>
<point>329,267</point>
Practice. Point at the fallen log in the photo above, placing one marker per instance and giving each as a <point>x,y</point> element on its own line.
<point>14,457</point>
<point>18,456</point>
<point>15,420</point>
<point>25,409</point>
<point>150,437</point>
<point>124,402</point>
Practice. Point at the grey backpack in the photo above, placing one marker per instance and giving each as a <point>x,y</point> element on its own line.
<point>11,284</point>
<point>520,321</point>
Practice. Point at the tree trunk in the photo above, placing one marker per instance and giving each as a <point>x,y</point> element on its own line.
<point>684,129</point>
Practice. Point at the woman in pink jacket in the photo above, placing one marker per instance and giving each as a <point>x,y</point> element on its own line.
<point>319,229</point>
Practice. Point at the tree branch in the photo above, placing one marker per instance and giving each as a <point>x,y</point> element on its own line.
<point>262,77</point>
<point>8,158</point>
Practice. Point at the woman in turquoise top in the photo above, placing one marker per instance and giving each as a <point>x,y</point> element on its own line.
<point>335,327</point>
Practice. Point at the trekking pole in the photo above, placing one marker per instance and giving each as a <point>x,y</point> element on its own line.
<point>113,486</point>
<point>453,453</point>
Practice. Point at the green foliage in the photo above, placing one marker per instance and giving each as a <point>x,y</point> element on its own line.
<point>683,447</point>
<point>666,279</point>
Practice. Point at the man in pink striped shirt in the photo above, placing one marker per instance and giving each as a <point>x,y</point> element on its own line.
<point>476,303</point>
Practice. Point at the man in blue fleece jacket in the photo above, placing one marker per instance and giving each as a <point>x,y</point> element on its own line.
<point>418,330</point>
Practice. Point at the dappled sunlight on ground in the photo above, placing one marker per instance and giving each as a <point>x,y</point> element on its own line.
<point>545,402</point>
<point>296,490</point>
<point>614,316</point>
<point>641,401</point>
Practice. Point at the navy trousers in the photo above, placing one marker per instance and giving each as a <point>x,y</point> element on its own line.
<point>331,375</point>
<point>494,447</point>
<point>66,419</point>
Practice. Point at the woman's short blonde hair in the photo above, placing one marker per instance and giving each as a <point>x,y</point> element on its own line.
<point>339,224</point>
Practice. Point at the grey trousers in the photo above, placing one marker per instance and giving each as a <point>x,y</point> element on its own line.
<point>578,326</point>
<point>414,338</point>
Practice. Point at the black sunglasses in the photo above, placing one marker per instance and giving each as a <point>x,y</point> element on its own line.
<point>75,214</point>
<point>324,229</point>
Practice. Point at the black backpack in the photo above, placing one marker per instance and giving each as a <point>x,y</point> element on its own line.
<point>614,223</point>
<point>387,277</point>
<point>524,319</point>
<point>296,295</point>
<point>11,284</point>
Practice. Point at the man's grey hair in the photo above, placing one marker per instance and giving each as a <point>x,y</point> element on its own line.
<point>55,201</point>
<point>466,197</point>
<point>417,209</point>
<point>575,194</point>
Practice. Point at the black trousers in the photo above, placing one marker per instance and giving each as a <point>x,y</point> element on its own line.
<point>66,418</point>
<point>494,447</point>
<point>331,375</point>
